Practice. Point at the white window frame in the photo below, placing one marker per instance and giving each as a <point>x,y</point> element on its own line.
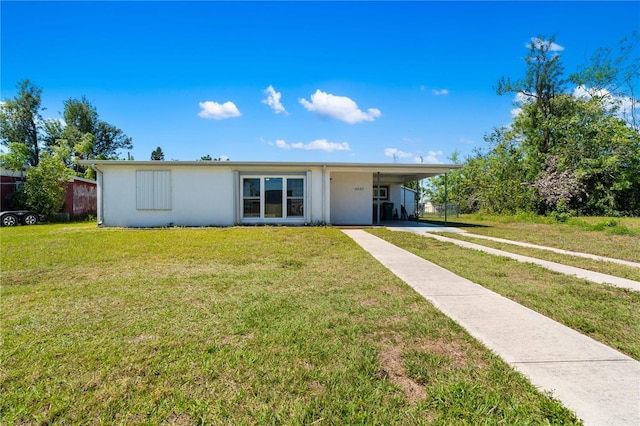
<point>284,219</point>
<point>287,197</point>
<point>260,197</point>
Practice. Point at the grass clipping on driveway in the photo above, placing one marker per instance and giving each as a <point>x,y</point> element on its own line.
<point>234,326</point>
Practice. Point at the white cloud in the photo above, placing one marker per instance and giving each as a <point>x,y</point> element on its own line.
<point>339,107</point>
<point>467,140</point>
<point>442,92</point>
<point>316,145</point>
<point>538,42</point>
<point>584,92</point>
<point>216,111</point>
<point>273,100</point>
<point>396,153</point>
<point>521,98</point>
<point>59,120</point>
<point>624,104</point>
<point>518,100</point>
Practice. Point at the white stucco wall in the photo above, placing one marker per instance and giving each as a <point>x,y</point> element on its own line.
<point>318,189</point>
<point>351,198</point>
<point>199,197</point>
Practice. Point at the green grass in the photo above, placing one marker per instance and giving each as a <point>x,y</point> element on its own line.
<point>608,314</point>
<point>234,326</point>
<point>610,268</point>
<point>611,237</point>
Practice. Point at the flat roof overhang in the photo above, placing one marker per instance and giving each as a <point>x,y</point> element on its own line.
<point>389,172</point>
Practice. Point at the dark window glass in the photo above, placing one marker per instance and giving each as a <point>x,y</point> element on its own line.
<point>273,197</point>
<point>251,187</point>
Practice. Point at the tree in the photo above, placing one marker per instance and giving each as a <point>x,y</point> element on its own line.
<point>603,150</point>
<point>542,81</point>
<point>434,187</point>
<point>81,115</point>
<point>157,154</point>
<point>505,188</point>
<point>108,141</point>
<point>20,119</point>
<point>559,190</point>
<point>209,158</point>
<point>571,150</point>
<point>46,183</point>
<point>613,79</point>
<point>17,158</point>
<point>85,135</point>
<point>76,144</point>
<point>593,167</point>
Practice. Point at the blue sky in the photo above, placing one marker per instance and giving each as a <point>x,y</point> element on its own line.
<point>295,81</point>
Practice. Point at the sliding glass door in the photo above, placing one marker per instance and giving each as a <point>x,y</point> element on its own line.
<point>272,198</point>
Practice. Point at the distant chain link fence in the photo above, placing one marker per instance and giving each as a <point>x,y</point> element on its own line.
<point>431,209</point>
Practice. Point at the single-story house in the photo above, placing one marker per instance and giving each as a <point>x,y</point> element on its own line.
<point>226,193</point>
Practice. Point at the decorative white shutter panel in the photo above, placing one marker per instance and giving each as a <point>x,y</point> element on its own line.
<point>153,189</point>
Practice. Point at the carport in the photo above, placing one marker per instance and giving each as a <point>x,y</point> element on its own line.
<point>402,177</point>
<point>367,194</point>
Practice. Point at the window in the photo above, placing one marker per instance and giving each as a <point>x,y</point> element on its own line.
<point>384,192</point>
<point>295,197</point>
<point>153,189</point>
<point>272,197</point>
<point>251,197</point>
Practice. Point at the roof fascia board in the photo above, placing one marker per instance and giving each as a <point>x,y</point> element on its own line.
<point>370,167</point>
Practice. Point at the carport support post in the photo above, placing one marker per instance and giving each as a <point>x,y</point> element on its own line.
<point>445,199</point>
<point>416,201</point>
<point>378,199</point>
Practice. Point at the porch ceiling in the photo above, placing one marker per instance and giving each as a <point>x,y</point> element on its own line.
<point>404,173</point>
<point>389,177</point>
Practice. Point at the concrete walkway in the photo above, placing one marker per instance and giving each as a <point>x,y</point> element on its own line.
<point>552,249</point>
<point>600,384</point>
<point>595,277</point>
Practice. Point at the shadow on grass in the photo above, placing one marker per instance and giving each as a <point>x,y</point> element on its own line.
<point>452,223</point>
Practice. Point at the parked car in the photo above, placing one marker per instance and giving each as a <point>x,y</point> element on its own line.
<point>13,218</point>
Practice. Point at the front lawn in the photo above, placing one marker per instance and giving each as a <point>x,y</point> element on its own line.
<point>234,326</point>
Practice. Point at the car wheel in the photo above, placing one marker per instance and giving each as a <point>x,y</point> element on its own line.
<point>9,220</point>
<point>30,219</point>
